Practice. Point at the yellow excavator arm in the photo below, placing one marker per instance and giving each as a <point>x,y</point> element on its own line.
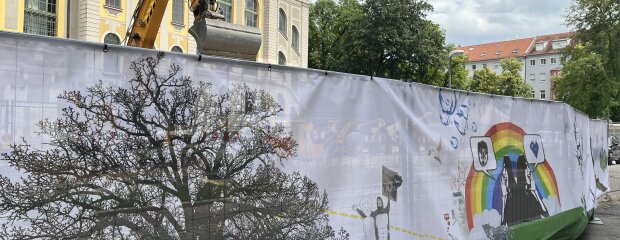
<point>149,14</point>
<point>213,35</point>
<point>145,23</point>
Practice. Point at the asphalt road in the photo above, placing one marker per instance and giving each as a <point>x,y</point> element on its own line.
<point>608,211</point>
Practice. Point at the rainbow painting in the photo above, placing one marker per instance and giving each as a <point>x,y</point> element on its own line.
<point>484,193</point>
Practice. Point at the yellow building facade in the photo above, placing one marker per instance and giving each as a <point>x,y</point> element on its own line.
<point>14,13</point>
<point>282,23</point>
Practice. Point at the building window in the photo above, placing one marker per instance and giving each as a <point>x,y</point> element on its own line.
<point>113,3</point>
<point>543,61</point>
<point>543,77</point>
<point>111,38</point>
<point>177,49</point>
<point>178,12</point>
<point>543,94</point>
<point>226,6</point>
<point>473,67</point>
<point>40,17</point>
<point>532,77</point>
<point>533,94</point>
<point>532,62</point>
<point>251,13</point>
<point>541,46</point>
<point>295,39</point>
<point>282,22</point>
<point>560,44</point>
<point>281,58</point>
<point>495,66</point>
<point>553,60</point>
<point>484,65</point>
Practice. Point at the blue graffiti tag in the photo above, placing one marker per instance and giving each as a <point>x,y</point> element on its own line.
<point>454,142</point>
<point>448,106</point>
<point>454,114</point>
<point>460,120</point>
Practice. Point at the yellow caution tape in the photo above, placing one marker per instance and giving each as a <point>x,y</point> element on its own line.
<point>355,216</point>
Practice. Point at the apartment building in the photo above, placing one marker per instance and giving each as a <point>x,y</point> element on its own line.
<point>283,23</point>
<point>540,57</point>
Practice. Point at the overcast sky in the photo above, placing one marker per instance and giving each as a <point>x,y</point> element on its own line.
<point>470,22</point>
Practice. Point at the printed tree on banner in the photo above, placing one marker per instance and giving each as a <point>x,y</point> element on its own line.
<point>164,158</point>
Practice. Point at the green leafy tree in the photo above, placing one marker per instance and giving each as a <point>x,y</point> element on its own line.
<point>485,81</point>
<point>511,82</point>
<point>584,83</point>
<point>324,45</point>
<point>460,76</point>
<point>508,83</point>
<point>385,38</point>
<point>162,158</point>
<point>597,23</point>
<point>591,75</point>
<point>332,26</point>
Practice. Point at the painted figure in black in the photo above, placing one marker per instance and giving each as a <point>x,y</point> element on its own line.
<point>521,201</point>
<point>483,153</point>
<point>381,217</point>
<point>393,185</point>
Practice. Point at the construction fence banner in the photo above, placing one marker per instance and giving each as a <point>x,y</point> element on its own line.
<point>396,160</point>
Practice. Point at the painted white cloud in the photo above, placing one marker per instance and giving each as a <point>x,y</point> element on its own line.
<point>491,218</point>
<point>469,22</point>
<point>551,203</point>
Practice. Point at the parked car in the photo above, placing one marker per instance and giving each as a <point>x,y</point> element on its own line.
<point>613,155</point>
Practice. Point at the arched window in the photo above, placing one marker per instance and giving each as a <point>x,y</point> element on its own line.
<point>282,22</point>
<point>226,6</point>
<point>111,38</point>
<point>251,13</point>
<point>177,49</point>
<point>295,39</point>
<point>281,58</point>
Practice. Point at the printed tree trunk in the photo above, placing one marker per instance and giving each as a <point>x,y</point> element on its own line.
<point>162,158</point>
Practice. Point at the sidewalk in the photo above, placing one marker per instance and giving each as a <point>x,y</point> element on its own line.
<point>608,211</point>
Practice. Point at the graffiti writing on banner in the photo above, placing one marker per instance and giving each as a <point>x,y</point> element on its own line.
<point>455,114</point>
<point>578,147</point>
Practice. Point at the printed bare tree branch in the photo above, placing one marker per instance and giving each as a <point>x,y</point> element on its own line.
<point>163,158</point>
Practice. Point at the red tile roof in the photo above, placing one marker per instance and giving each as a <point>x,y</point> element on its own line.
<point>513,48</point>
<point>497,50</point>
<point>549,39</point>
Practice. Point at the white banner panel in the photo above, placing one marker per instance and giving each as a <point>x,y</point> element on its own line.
<point>397,160</point>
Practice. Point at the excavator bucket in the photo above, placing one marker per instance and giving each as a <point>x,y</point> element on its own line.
<point>221,38</point>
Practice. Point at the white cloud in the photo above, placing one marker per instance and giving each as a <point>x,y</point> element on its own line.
<point>469,22</point>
